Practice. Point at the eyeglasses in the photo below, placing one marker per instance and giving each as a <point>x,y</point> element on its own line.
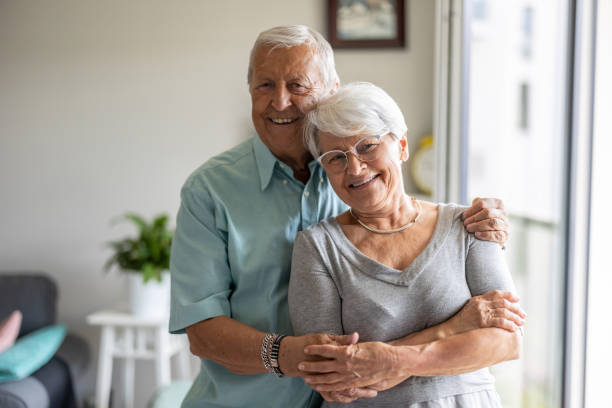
<point>366,149</point>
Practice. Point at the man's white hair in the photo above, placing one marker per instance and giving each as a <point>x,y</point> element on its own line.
<point>292,36</point>
<point>358,108</point>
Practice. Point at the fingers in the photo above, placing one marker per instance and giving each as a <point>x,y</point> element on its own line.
<point>324,350</point>
<point>331,396</point>
<point>500,294</point>
<point>337,397</point>
<point>513,308</point>
<point>328,366</point>
<point>480,203</point>
<point>333,387</point>
<point>330,378</point>
<point>347,339</point>
<point>507,316</point>
<point>349,395</point>
<point>362,392</point>
<point>488,224</point>
<point>485,214</point>
<point>381,385</point>
<point>494,236</point>
<point>504,324</point>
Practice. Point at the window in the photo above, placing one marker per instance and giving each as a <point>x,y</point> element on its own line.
<point>524,106</point>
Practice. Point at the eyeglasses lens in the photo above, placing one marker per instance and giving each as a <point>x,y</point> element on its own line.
<point>365,150</point>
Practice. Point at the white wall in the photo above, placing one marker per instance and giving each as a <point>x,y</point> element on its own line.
<point>107,107</point>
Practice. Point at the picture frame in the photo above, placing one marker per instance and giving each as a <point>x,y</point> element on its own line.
<point>367,23</point>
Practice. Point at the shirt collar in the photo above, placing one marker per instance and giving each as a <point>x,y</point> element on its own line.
<point>265,162</point>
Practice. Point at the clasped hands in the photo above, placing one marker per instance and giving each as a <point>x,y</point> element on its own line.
<point>342,369</point>
<point>351,371</point>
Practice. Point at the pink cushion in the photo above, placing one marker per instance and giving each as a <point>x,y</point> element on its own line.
<point>9,329</point>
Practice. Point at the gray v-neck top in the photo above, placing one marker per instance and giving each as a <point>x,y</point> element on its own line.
<point>335,288</point>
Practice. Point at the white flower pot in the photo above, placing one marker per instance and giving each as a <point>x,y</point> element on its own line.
<point>151,299</point>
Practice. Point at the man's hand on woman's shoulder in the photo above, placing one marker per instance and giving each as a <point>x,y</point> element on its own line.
<point>488,220</point>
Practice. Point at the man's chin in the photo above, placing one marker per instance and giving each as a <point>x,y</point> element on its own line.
<point>291,131</point>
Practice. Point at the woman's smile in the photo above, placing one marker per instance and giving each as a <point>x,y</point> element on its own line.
<point>363,183</point>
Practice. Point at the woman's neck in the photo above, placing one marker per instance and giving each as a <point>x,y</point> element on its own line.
<point>400,211</point>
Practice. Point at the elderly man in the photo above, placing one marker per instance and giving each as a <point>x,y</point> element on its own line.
<point>239,215</point>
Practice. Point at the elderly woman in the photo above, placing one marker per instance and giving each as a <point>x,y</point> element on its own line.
<point>395,270</point>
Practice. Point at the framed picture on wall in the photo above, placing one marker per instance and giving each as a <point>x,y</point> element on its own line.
<point>366,23</point>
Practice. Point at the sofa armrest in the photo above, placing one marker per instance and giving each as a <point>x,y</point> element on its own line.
<point>34,293</point>
<point>26,393</point>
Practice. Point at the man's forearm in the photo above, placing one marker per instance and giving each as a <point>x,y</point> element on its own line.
<point>228,342</point>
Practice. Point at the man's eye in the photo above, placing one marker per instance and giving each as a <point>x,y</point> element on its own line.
<point>265,85</point>
<point>298,88</point>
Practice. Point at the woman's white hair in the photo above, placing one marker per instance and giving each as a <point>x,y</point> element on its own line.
<point>354,109</point>
<point>292,36</point>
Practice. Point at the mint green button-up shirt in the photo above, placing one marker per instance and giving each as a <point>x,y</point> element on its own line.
<point>231,255</point>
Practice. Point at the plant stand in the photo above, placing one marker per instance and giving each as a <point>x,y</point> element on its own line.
<point>131,338</point>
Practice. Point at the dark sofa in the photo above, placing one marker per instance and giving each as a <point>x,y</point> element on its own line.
<point>35,294</point>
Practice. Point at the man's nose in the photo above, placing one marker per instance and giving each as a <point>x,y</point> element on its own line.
<point>281,99</point>
<point>353,164</point>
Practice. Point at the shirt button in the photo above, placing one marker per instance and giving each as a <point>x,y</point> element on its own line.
<point>306,193</point>
<point>284,181</point>
<point>282,166</point>
<point>321,179</point>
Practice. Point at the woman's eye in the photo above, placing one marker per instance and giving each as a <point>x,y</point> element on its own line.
<point>367,147</point>
<point>336,157</point>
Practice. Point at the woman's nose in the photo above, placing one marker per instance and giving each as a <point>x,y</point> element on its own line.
<point>353,164</point>
<point>281,99</point>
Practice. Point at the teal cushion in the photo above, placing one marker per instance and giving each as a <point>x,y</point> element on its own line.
<point>31,352</point>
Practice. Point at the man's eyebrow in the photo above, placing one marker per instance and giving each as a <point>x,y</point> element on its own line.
<point>301,78</point>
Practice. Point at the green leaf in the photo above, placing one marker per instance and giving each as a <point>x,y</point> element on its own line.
<point>149,252</point>
<point>137,220</point>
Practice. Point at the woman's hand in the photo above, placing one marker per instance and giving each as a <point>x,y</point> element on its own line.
<point>352,366</point>
<point>348,395</point>
<point>493,309</point>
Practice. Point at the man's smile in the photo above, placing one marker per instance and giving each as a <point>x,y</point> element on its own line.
<point>282,121</point>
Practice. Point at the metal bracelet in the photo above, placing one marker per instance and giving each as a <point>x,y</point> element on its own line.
<point>265,352</point>
<point>274,355</point>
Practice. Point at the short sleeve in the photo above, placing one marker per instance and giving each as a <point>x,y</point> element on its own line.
<point>314,300</point>
<point>486,268</point>
<point>200,276</point>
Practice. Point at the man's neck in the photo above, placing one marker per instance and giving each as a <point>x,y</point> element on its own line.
<point>300,168</point>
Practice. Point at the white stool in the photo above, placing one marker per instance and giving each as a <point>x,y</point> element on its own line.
<point>130,337</point>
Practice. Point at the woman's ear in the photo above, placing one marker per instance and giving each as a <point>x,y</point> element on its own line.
<point>334,88</point>
<point>404,154</point>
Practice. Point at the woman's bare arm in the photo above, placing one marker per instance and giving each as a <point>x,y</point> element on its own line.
<point>365,364</point>
<point>492,309</point>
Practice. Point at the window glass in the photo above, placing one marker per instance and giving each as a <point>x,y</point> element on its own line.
<point>515,151</point>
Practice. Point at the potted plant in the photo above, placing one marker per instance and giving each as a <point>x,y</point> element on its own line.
<point>146,260</point>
